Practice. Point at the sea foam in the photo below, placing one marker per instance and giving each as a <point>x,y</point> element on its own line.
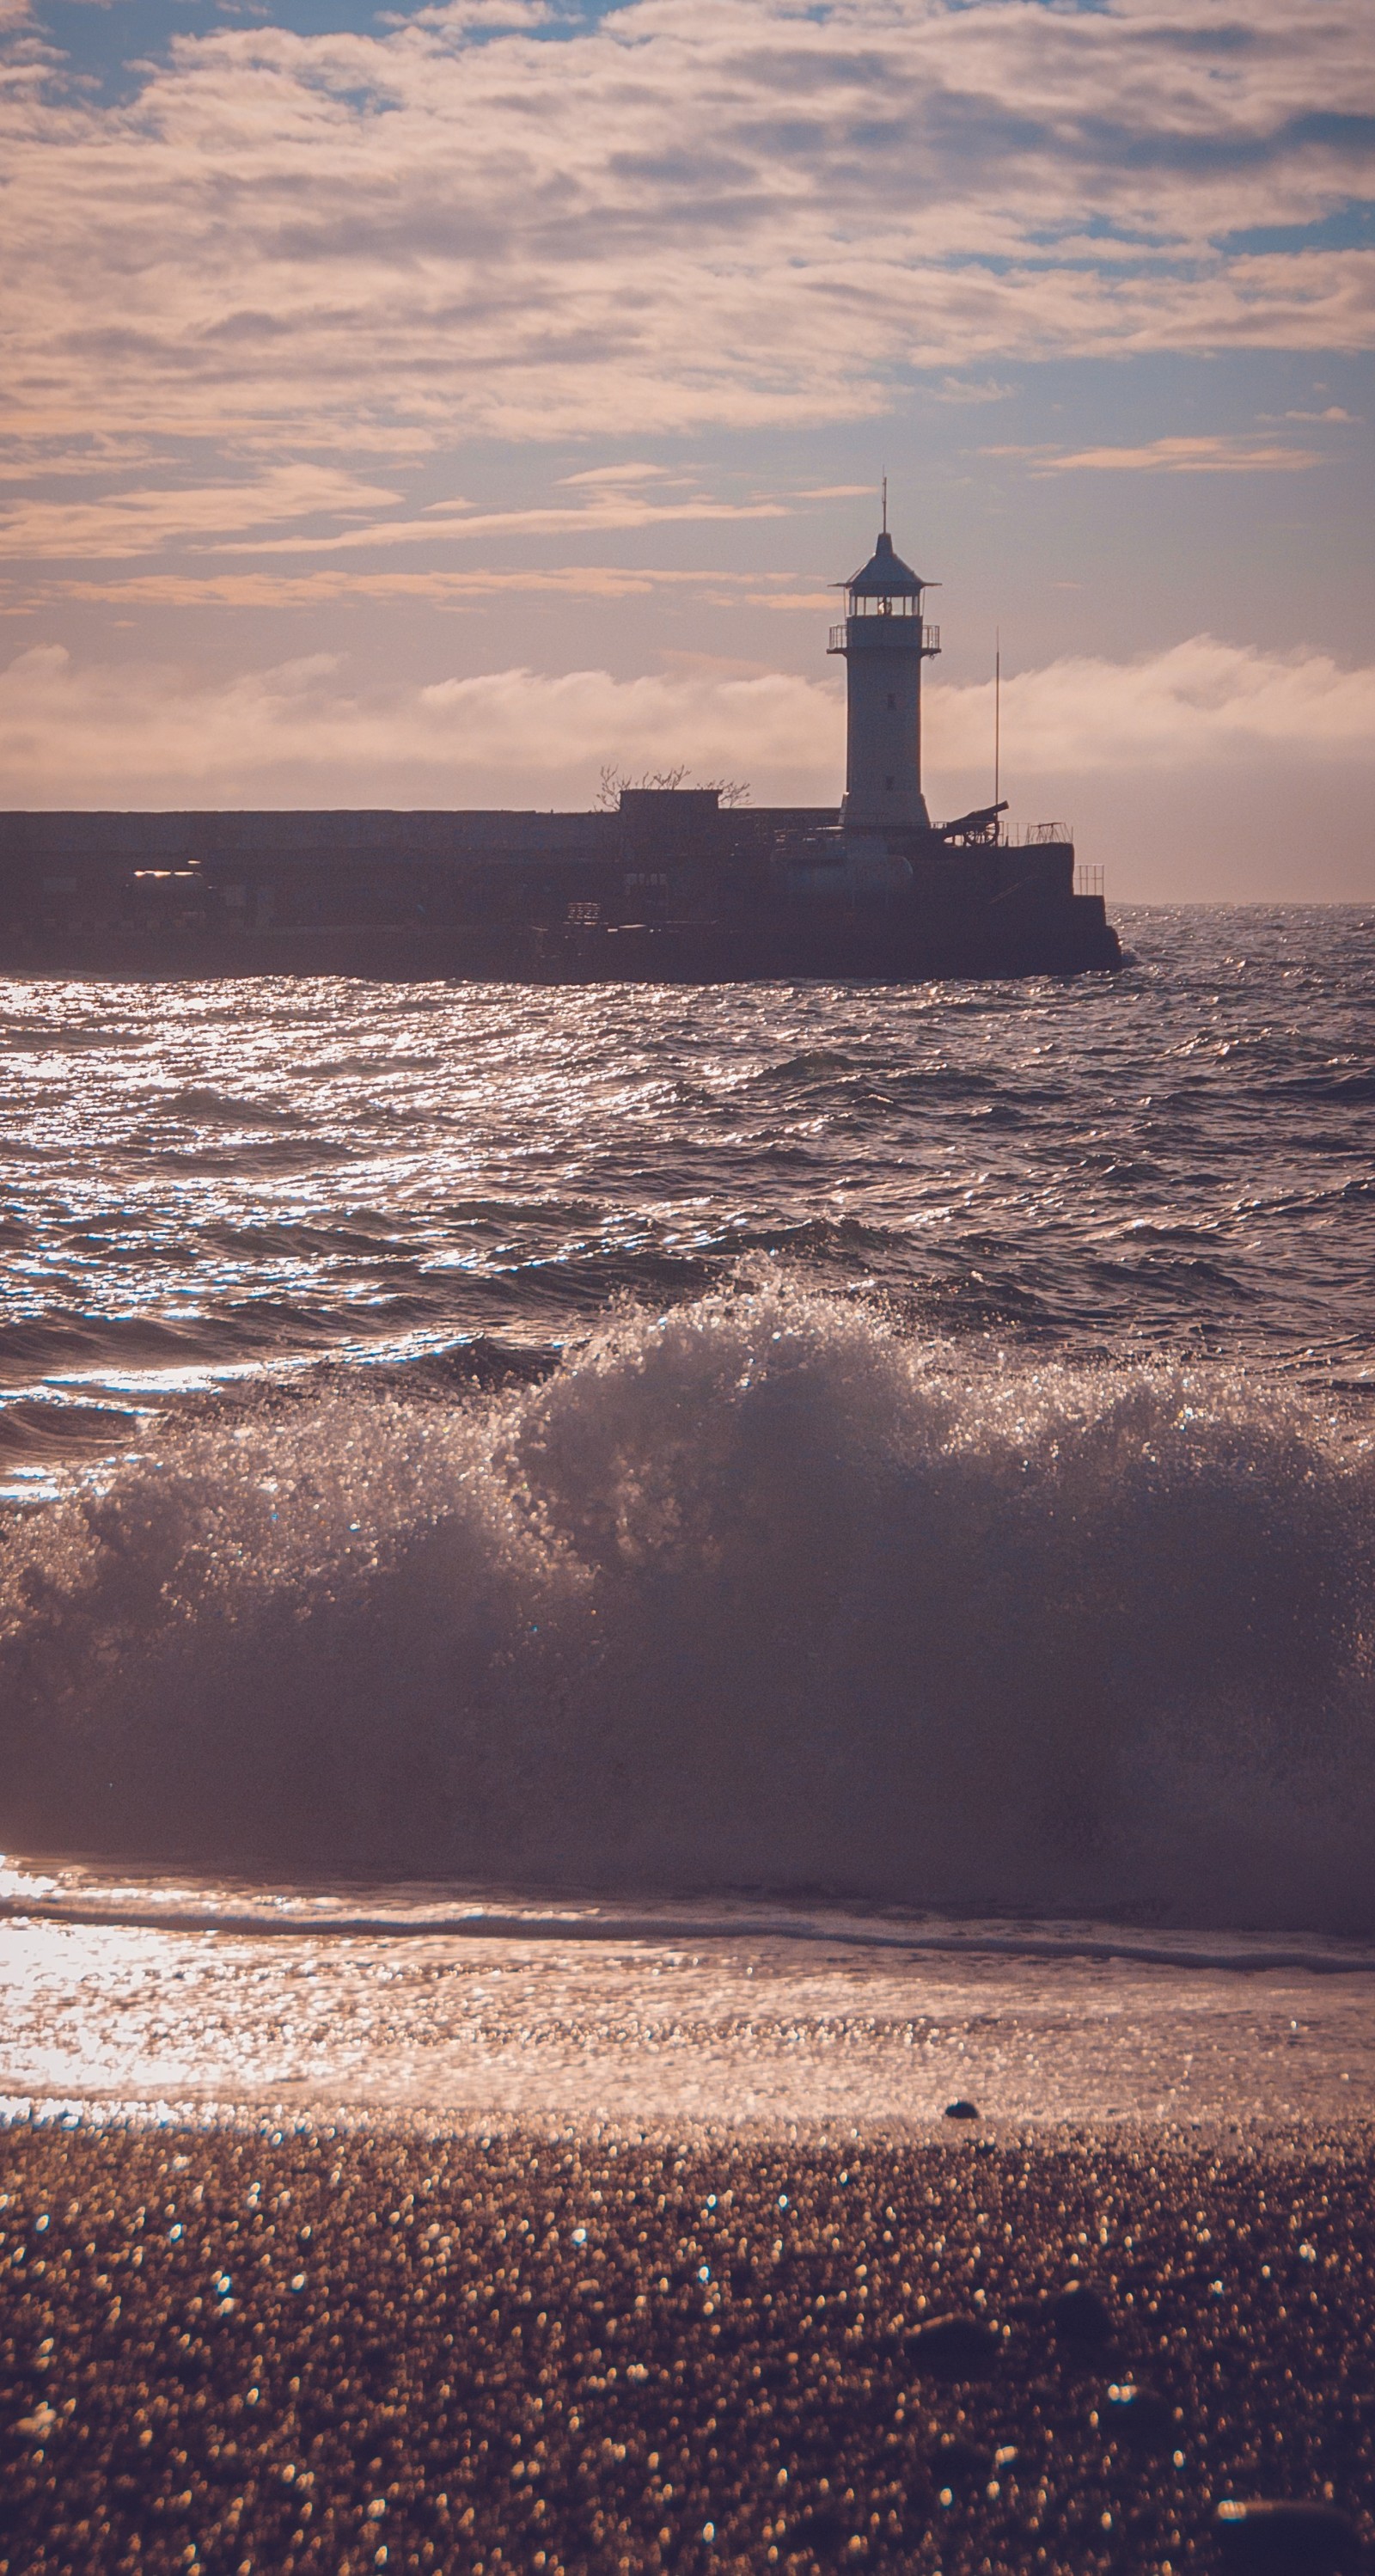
<point>761,1593</point>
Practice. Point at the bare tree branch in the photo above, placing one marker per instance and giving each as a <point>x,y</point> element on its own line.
<point>615,781</point>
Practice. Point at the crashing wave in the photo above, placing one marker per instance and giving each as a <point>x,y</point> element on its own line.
<point>760,1593</point>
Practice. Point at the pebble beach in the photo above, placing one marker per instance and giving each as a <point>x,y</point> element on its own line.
<point>533,2347</point>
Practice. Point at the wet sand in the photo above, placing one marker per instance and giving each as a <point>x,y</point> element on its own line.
<point>227,2350</point>
<point>675,2027</point>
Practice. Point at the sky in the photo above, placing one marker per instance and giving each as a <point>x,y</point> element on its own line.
<point>431,406</point>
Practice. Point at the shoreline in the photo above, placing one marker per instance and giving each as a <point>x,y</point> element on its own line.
<point>514,2348</point>
<point>690,2037</point>
<point>281,2122</point>
<point>1233,1951</point>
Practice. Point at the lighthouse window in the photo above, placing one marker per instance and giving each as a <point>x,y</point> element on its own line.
<point>892,701</point>
<point>888,782</point>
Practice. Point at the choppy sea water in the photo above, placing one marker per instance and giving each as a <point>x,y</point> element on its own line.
<point>901,1455</point>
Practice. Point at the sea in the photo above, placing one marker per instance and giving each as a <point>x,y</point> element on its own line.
<point>767,1553</point>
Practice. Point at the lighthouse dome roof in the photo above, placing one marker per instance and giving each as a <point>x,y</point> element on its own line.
<point>885,575</point>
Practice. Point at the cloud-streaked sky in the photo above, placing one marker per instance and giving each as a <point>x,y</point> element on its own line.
<point>427,406</point>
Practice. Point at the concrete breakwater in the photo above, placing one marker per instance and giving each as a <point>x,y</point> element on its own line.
<point>670,887</point>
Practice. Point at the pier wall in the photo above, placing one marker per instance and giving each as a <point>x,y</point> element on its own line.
<point>667,887</point>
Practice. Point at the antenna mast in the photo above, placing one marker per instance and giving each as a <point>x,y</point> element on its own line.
<point>997,711</point>
<point>885,505</point>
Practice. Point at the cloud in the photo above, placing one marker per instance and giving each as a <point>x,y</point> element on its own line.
<point>467,17</point>
<point>614,476</point>
<point>1217,455</point>
<point>22,460</point>
<point>446,521</point>
<point>1202,704</point>
<point>272,589</point>
<point>742,214</point>
<point>303,732</point>
<point>111,733</point>
<point>143,522</point>
<point>460,17</point>
<point>960,389</point>
<point>229,518</point>
<point>816,602</point>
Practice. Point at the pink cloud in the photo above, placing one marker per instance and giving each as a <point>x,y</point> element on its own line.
<point>738,215</point>
<point>121,734</point>
<point>1208,455</point>
<point>143,522</point>
<point>1201,704</point>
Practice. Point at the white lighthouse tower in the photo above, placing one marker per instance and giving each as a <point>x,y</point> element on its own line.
<point>885,642</point>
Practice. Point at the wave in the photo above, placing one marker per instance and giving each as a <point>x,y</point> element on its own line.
<point>206,1107</point>
<point>1352,1090</point>
<point>760,1593</point>
<point>88,1343</point>
<point>74,1897</point>
<point>32,1428</point>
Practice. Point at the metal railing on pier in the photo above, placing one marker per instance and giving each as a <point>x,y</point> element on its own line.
<point>1031,836</point>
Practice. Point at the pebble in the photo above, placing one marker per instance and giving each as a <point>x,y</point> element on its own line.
<point>1274,2538</point>
<point>961,2110</point>
<point>824,2532</point>
<point>954,2347</point>
<point>1081,2317</point>
<point>956,2462</point>
<point>1139,2415</point>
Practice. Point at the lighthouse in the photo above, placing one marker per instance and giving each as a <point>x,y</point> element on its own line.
<point>884,641</point>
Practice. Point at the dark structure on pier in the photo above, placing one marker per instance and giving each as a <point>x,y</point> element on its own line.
<point>669,887</point>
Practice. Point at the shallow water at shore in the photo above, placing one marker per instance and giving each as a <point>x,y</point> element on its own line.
<point>134,1998</point>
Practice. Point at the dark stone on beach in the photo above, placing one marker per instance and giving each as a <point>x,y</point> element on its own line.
<point>824,2532</point>
<point>1081,2318</point>
<point>1139,2415</point>
<point>954,2347</point>
<point>961,2110</point>
<point>1264,2538</point>
<point>956,2463</point>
